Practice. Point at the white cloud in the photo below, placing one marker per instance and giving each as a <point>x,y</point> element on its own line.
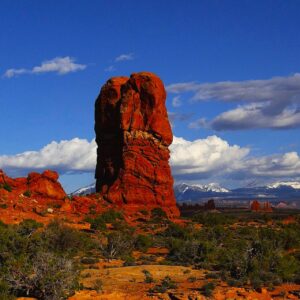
<point>14,72</point>
<point>252,116</point>
<point>110,69</point>
<point>209,158</point>
<point>271,103</point>
<point>59,65</point>
<point>204,157</point>
<point>280,165</point>
<point>67,156</point>
<point>176,102</point>
<point>124,57</point>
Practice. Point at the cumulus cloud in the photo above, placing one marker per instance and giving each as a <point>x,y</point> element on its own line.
<point>280,165</point>
<point>124,57</point>
<point>59,65</point>
<point>67,156</point>
<point>271,103</point>
<point>204,157</point>
<point>209,158</point>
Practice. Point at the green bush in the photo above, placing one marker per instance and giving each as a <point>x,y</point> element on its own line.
<point>7,187</point>
<point>60,238</point>
<point>117,244</point>
<point>213,219</point>
<point>158,213</point>
<point>143,242</point>
<point>148,277</point>
<point>28,227</point>
<point>100,221</point>
<point>34,263</point>
<point>166,284</point>
<point>207,289</point>
<point>27,193</point>
<point>47,276</point>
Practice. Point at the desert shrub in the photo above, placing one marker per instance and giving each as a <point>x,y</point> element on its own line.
<point>189,252</point>
<point>117,244</point>
<point>242,255</point>
<point>212,276</point>
<point>30,267</point>
<point>28,227</point>
<point>89,260</point>
<point>27,193</point>
<point>6,186</point>
<point>144,212</point>
<point>60,238</point>
<point>287,268</point>
<point>207,289</point>
<point>192,279</point>
<point>97,223</point>
<point>158,214</point>
<point>148,277</point>
<point>176,231</point>
<point>47,276</point>
<point>143,242</point>
<point>100,221</point>
<point>213,219</point>
<point>5,291</point>
<point>128,260</point>
<point>166,284</point>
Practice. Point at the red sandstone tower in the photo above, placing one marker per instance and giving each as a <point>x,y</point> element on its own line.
<point>133,134</point>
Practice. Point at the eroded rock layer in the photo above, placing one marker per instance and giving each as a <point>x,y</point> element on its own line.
<point>133,134</point>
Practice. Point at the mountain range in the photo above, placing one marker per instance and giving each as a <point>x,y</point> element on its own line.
<point>277,191</point>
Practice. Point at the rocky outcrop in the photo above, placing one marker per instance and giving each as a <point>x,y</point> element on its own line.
<point>261,207</point>
<point>43,185</point>
<point>133,134</point>
<point>46,185</point>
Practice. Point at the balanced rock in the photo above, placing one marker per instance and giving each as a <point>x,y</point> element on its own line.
<point>133,134</point>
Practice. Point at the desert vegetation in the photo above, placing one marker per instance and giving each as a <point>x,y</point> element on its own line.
<point>46,261</point>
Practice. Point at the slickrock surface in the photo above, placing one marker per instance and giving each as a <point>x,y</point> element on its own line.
<point>133,134</point>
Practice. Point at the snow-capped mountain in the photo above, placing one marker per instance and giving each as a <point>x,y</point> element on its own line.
<point>192,192</point>
<point>275,192</point>
<point>210,187</point>
<point>85,190</point>
<point>292,184</point>
<point>278,191</point>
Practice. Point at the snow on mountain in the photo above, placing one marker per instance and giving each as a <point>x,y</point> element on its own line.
<point>194,192</point>
<point>210,187</point>
<point>292,184</point>
<point>85,190</point>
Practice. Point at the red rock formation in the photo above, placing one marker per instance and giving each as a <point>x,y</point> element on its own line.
<point>267,207</point>
<point>133,134</point>
<point>44,185</point>
<point>255,205</point>
<point>261,207</point>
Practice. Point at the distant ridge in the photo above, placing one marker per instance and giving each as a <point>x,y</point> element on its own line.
<point>277,191</point>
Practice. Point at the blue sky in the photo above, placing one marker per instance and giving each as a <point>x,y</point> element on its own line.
<point>55,55</point>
